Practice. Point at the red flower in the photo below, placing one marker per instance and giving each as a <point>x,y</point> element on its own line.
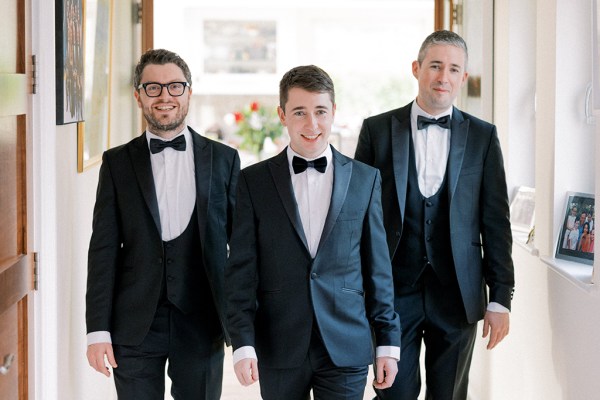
<point>254,106</point>
<point>239,117</point>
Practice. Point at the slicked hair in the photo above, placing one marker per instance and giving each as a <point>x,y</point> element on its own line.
<point>308,77</point>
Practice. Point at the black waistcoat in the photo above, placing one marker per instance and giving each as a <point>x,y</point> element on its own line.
<point>185,284</point>
<point>425,237</point>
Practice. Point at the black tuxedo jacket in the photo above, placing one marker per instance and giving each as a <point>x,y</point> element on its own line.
<point>275,289</point>
<point>479,209</point>
<point>125,260</point>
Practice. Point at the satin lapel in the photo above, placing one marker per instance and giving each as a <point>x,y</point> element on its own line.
<point>203,172</point>
<point>342,172</point>
<point>458,141</point>
<point>400,155</point>
<point>140,159</point>
<point>280,171</point>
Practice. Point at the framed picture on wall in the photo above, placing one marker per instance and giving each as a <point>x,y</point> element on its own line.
<point>93,134</point>
<point>69,61</point>
<point>576,238</point>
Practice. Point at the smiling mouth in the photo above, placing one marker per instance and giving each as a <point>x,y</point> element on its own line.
<point>165,108</point>
<point>311,137</point>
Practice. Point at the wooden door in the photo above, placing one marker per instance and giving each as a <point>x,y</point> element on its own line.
<point>16,266</point>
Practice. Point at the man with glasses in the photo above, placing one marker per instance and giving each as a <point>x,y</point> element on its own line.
<point>161,225</point>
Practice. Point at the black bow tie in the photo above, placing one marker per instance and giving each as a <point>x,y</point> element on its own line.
<point>157,145</point>
<point>423,122</point>
<point>300,164</point>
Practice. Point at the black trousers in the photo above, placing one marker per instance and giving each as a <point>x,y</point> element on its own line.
<point>318,373</point>
<point>433,314</point>
<point>195,359</point>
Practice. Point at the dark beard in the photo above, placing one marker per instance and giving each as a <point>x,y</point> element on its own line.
<point>159,127</point>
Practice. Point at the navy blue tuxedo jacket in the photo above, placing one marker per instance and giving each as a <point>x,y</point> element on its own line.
<point>125,259</point>
<point>276,291</point>
<point>480,232</point>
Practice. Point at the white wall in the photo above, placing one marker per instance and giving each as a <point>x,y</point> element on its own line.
<point>63,206</point>
<point>553,351</point>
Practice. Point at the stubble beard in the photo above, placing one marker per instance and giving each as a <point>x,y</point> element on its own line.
<point>157,126</point>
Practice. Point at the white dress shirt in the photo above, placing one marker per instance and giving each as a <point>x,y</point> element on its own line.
<point>175,184</point>
<point>432,147</point>
<point>312,190</point>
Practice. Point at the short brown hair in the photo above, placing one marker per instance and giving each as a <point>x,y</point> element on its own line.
<point>307,77</point>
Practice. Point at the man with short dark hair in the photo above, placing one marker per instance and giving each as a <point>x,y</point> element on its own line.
<point>446,216</point>
<point>161,224</point>
<point>309,277</point>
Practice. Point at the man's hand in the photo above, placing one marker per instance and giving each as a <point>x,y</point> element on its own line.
<point>246,371</point>
<point>387,368</point>
<point>95,356</point>
<point>497,325</point>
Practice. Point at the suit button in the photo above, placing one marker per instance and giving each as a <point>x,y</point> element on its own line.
<point>170,278</point>
<point>428,222</point>
<point>428,203</point>
<point>314,276</point>
<point>428,238</point>
<point>424,258</point>
<point>169,261</point>
<point>160,260</point>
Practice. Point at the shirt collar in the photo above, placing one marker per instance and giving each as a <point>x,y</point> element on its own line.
<point>415,111</point>
<point>185,132</point>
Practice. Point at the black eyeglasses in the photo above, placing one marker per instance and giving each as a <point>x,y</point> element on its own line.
<point>154,89</point>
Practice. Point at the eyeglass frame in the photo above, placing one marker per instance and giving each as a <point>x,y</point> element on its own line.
<point>163,85</point>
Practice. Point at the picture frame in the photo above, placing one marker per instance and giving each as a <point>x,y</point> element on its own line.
<point>235,53</point>
<point>573,243</point>
<point>93,135</point>
<point>522,209</point>
<point>69,61</point>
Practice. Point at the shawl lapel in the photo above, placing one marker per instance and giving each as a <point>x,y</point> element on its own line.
<point>280,171</point>
<point>458,139</point>
<point>400,154</point>
<point>203,166</point>
<point>342,172</point>
<point>140,159</point>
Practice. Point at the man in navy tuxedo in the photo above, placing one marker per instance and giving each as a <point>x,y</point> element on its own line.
<point>161,224</point>
<point>446,216</point>
<point>309,277</point>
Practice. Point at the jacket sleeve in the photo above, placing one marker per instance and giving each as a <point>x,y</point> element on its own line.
<point>103,253</point>
<point>241,274</point>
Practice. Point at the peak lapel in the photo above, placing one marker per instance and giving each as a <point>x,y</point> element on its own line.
<point>280,171</point>
<point>140,159</point>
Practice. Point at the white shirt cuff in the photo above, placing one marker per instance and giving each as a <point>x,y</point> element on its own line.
<point>98,337</point>
<point>244,352</point>
<point>497,307</point>
<point>388,351</point>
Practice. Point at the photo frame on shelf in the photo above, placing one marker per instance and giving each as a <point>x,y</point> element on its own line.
<point>522,209</point>
<point>69,61</point>
<point>93,135</point>
<point>577,233</point>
